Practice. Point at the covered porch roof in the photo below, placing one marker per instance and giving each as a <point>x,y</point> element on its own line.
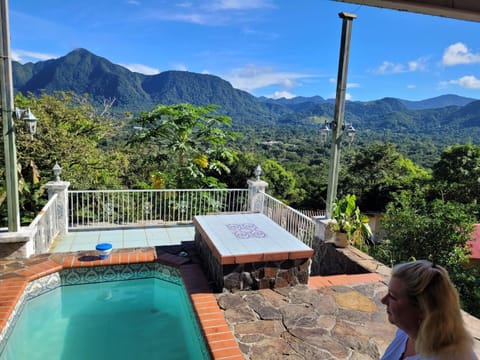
<point>457,9</point>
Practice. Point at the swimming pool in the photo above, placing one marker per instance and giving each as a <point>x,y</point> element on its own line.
<point>136,311</point>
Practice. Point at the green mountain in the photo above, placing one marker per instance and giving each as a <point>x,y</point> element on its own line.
<point>85,73</point>
<point>437,102</point>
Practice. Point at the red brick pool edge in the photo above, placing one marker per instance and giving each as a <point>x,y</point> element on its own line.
<point>219,338</point>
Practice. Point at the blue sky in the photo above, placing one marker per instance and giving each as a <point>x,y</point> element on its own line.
<point>269,48</point>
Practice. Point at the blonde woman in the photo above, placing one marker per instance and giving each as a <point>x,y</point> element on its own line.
<point>423,303</point>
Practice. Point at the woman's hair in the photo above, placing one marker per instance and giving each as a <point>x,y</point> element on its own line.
<point>441,329</point>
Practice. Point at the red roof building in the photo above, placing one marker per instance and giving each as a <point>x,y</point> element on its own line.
<point>475,242</point>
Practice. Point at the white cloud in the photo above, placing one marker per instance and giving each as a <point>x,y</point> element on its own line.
<point>195,18</point>
<point>411,86</point>
<point>242,4</point>
<point>180,67</point>
<point>349,85</point>
<point>282,94</point>
<point>419,64</point>
<point>459,53</point>
<point>388,67</point>
<point>348,96</point>
<point>253,77</point>
<point>214,13</point>
<point>23,56</point>
<point>184,5</point>
<point>133,2</point>
<point>468,82</point>
<point>142,69</point>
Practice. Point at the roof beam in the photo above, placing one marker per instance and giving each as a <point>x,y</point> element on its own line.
<point>456,9</point>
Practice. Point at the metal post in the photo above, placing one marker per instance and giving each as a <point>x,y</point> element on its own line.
<point>338,125</point>
<point>6,89</point>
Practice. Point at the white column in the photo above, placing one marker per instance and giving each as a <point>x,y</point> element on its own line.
<point>60,188</point>
<point>256,188</point>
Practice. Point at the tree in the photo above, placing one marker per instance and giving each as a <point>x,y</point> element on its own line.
<point>241,169</point>
<point>436,230</point>
<point>281,182</point>
<point>185,143</point>
<point>379,172</point>
<point>456,176</point>
<point>71,132</point>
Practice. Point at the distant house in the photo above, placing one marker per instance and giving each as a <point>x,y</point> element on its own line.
<point>475,246</point>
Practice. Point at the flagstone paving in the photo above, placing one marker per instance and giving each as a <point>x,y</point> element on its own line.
<point>335,322</point>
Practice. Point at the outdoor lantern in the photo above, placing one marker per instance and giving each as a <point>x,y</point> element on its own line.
<point>324,131</point>
<point>347,130</point>
<point>350,133</point>
<point>258,172</point>
<point>29,118</point>
<point>31,122</point>
<point>57,170</point>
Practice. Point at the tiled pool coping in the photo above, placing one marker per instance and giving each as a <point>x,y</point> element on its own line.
<point>219,338</point>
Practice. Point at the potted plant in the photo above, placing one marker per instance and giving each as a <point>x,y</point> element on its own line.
<point>348,224</point>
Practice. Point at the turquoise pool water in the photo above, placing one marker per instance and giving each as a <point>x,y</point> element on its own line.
<point>131,319</point>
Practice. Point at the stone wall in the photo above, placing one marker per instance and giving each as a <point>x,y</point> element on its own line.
<point>329,260</point>
<point>16,250</point>
<point>252,276</point>
<point>16,245</point>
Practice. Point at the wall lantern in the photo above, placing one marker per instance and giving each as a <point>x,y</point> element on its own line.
<point>29,118</point>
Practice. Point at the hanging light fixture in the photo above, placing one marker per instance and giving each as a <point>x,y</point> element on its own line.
<point>327,127</point>
<point>29,118</point>
<point>350,130</point>
<point>324,133</point>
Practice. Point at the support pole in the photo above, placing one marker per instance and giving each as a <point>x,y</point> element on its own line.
<point>6,89</point>
<point>338,121</point>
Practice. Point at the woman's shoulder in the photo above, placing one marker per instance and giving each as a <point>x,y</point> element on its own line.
<point>396,348</point>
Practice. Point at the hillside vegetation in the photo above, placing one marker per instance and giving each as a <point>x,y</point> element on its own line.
<point>421,129</point>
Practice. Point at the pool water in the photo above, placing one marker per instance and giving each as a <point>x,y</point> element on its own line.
<point>133,319</point>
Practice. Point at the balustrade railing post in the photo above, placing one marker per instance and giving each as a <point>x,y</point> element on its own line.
<point>256,190</point>
<point>60,188</point>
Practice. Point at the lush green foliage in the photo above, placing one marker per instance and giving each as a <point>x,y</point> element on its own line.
<point>378,173</point>
<point>186,143</point>
<point>348,219</point>
<point>72,133</point>
<point>457,174</point>
<point>435,230</point>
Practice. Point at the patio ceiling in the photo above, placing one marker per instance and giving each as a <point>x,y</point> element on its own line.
<point>457,9</point>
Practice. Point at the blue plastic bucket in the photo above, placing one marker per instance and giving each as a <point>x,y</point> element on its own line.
<point>104,250</point>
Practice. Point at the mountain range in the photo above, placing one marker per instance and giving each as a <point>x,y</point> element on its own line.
<point>86,73</point>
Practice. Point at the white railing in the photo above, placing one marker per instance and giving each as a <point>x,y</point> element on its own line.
<point>112,208</point>
<point>46,225</point>
<point>132,208</point>
<point>297,224</point>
